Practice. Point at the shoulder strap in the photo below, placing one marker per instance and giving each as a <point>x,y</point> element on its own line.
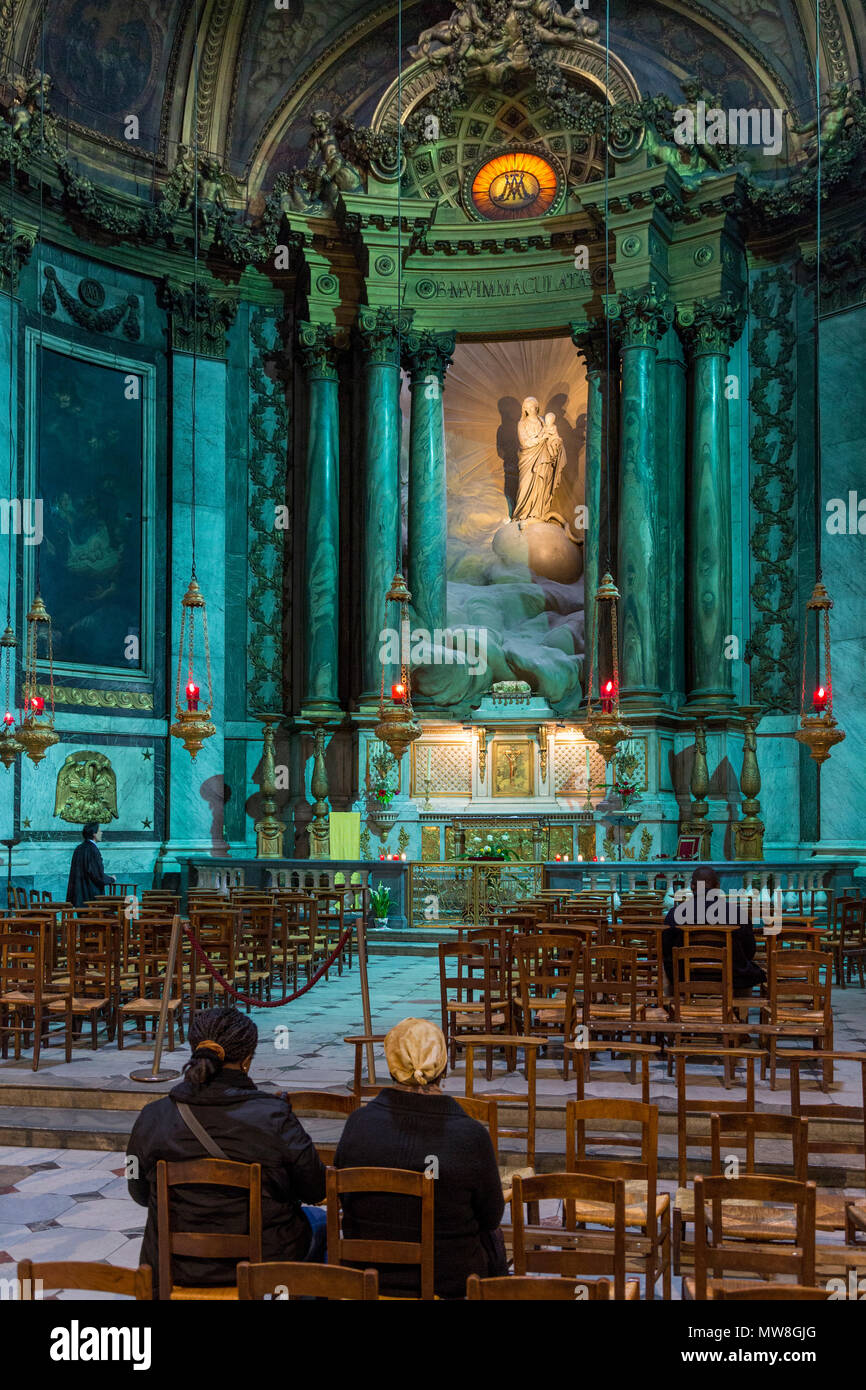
<point>208,1143</point>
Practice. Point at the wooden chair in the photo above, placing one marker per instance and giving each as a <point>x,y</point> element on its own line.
<point>566,1250</point>
<point>292,1280</point>
<point>687,1108</point>
<point>822,1119</point>
<point>150,983</point>
<point>848,946</point>
<point>790,1251</point>
<point>322,1103</point>
<point>209,1172</point>
<point>216,930</point>
<point>93,973</point>
<point>25,993</point>
<point>646,939</point>
<point>84,1274</point>
<point>767,1292</point>
<point>523,1289</point>
<point>647,1210</point>
<point>475,1008</point>
<point>512,1100</point>
<point>610,989</point>
<point>855,1222</point>
<point>548,969</point>
<point>799,997</point>
<point>347,1182</point>
<point>255,945</point>
<point>636,1052</point>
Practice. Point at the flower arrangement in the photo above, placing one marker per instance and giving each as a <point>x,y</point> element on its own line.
<point>494,847</point>
<point>380,900</point>
<point>383,794</point>
<point>624,785</point>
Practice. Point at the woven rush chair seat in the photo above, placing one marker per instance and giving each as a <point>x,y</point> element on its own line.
<point>147,1006</point>
<point>600,1214</point>
<point>79,1004</point>
<point>467,1020</point>
<point>749,1220</point>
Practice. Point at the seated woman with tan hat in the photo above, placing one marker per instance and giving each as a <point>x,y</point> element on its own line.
<point>414,1125</point>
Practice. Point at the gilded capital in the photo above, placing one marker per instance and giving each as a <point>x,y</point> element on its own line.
<point>710,325</point>
<point>318,350</point>
<point>640,317</point>
<point>428,354</point>
<point>381,333</point>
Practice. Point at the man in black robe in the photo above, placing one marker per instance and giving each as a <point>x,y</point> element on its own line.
<point>87,876</point>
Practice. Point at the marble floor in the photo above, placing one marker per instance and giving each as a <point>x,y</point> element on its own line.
<point>70,1203</point>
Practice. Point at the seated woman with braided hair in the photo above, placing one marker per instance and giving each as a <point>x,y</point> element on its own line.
<point>216,1110</point>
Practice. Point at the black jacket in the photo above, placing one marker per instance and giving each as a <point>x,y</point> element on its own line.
<point>744,968</point>
<point>87,876</point>
<point>401,1130</point>
<point>250,1127</point>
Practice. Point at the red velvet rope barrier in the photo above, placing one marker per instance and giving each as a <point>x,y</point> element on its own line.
<point>253,999</point>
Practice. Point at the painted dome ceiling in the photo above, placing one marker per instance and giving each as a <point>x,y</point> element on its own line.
<point>263,69</point>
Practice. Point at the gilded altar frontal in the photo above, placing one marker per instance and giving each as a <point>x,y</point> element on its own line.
<point>433,540</point>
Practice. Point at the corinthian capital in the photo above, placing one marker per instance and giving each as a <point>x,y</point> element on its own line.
<point>428,354</point>
<point>590,339</point>
<point>640,317</point>
<point>319,350</point>
<point>710,325</point>
<point>381,332</point>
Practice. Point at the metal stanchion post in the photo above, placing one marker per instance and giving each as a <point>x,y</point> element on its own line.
<point>156,1073</point>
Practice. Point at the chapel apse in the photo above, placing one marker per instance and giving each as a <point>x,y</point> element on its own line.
<point>519,579</point>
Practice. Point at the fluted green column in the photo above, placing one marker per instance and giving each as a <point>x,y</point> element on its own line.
<point>708,328</point>
<point>380,333</point>
<point>318,352</point>
<point>428,357</point>
<point>641,317</point>
<point>589,339</point>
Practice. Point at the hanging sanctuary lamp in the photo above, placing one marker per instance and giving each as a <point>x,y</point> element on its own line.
<point>397,727</point>
<point>10,746</point>
<point>818,729</point>
<point>36,732</point>
<point>604,723</point>
<point>193,712</point>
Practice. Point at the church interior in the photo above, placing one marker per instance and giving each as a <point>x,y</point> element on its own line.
<point>433,545</point>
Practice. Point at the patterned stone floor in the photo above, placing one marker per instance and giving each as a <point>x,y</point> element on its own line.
<point>61,1203</point>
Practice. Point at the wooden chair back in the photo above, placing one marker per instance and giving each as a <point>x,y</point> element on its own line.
<point>702,983</point>
<point>486,1112</point>
<point>291,1280</point>
<point>525,1289</point>
<point>323,1103</point>
<point>691,1105</point>
<point>746,1129</point>
<point>610,983</point>
<point>765,1291</point>
<point>84,1274</point>
<point>565,1250</point>
<point>715,1254</point>
<point>548,967</point>
<point>206,1172</point>
<point>343,1182</point>
<point>799,979</point>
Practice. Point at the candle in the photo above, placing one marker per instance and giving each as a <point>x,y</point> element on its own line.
<point>607,693</point>
<point>192,694</point>
<point>402,856</point>
<point>37,704</point>
<point>819,700</point>
<point>558,857</point>
<point>428,764</point>
<point>8,719</point>
<point>588,771</point>
<point>580,859</point>
<point>565,859</point>
<point>398,693</point>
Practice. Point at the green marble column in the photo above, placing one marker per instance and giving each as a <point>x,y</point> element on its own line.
<point>380,333</point>
<point>671,446</point>
<point>589,339</point>
<point>318,353</point>
<point>708,329</point>
<point>428,357</point>
<point>641,317</point>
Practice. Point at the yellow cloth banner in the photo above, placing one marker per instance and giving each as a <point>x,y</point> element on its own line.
<point>345,827</point>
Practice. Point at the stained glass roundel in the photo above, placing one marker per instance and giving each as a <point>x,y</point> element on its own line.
<point>517,183</point>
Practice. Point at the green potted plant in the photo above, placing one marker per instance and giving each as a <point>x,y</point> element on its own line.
<point>380,904</point>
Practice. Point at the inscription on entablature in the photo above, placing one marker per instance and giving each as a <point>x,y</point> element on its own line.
<point>505,287</point>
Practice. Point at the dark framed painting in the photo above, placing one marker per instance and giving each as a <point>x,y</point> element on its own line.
<point>687,846</point>
<point>91,468</point>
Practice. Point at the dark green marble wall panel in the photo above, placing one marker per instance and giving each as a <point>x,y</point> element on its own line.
<point>709,532</point>
<point>322,522</point>
<point>638,522</point>
<point>671,445</point>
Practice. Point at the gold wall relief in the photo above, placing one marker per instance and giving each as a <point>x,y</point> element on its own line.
<point>86,789</point>
<point>512,768</point>
<point>431,844</point>
<point>98,699</point>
